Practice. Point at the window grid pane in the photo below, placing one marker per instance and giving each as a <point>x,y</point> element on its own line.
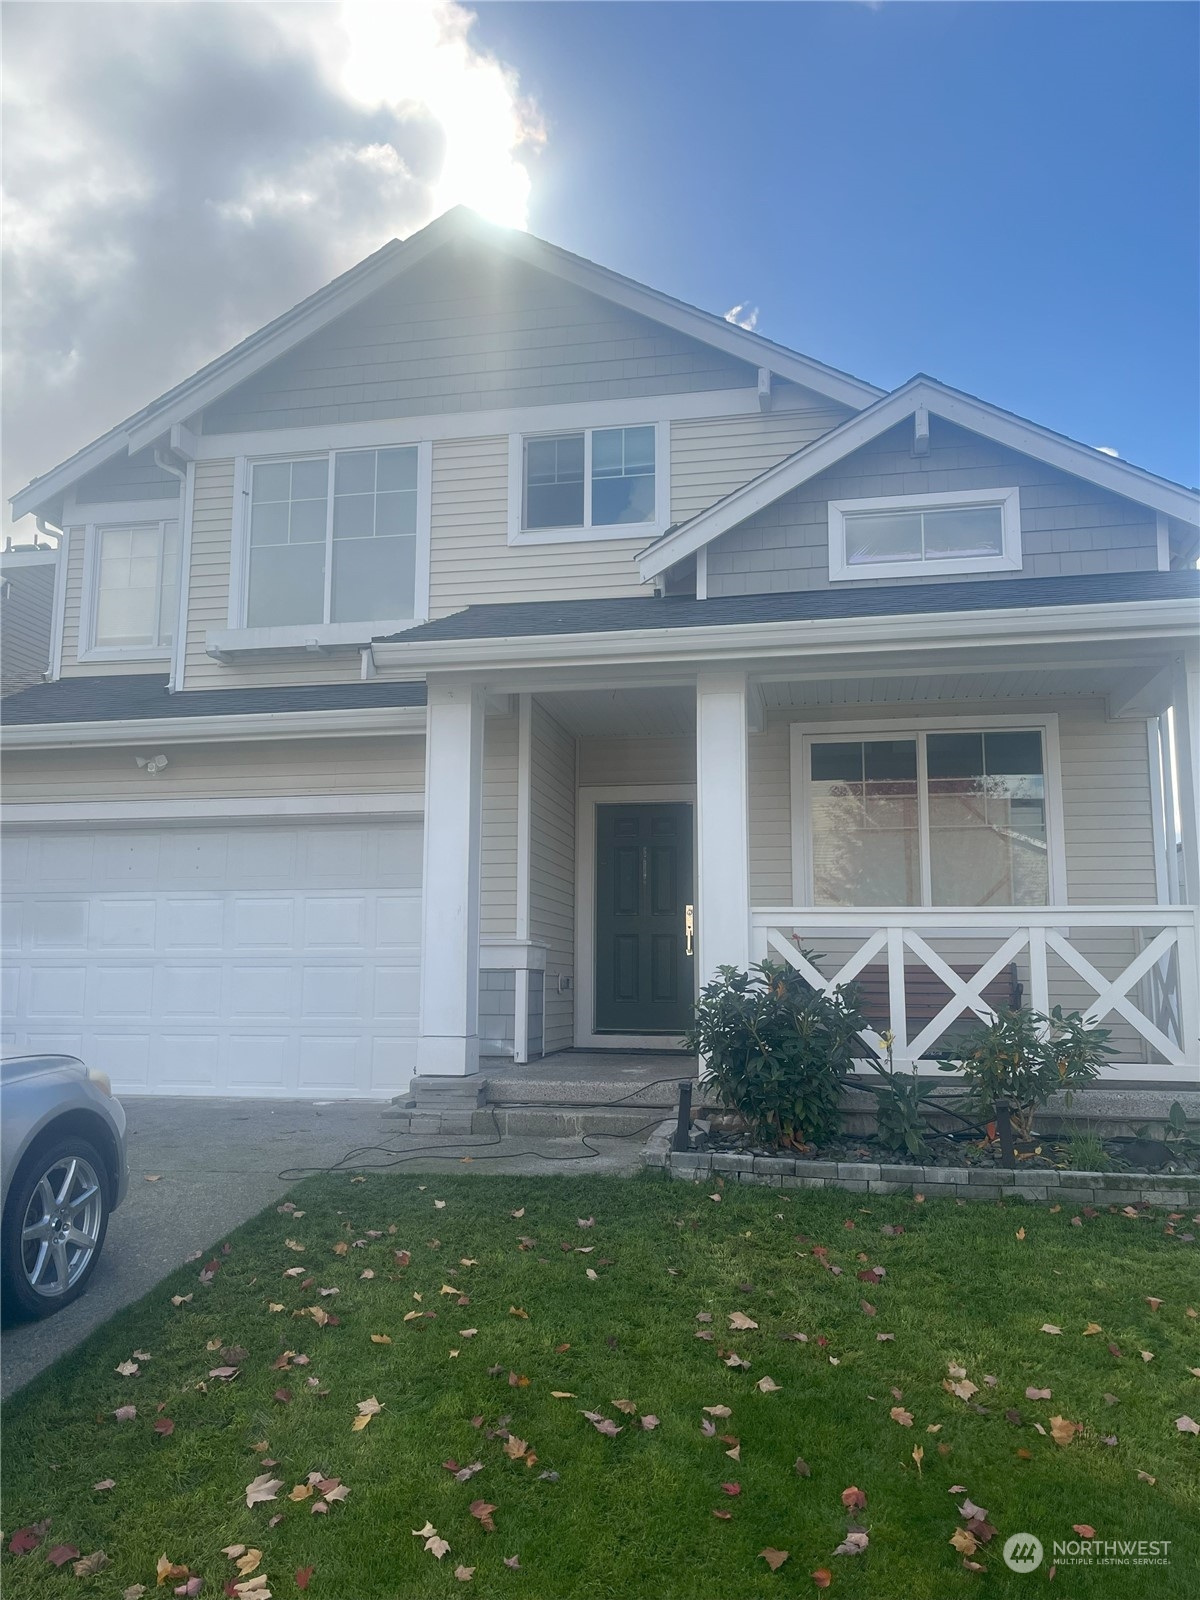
<point>136,587</point>
<point>367,539</point>
<point>986,806</point>
<point>622,476</point>
<point>920,536</point>
<point>554,482</point>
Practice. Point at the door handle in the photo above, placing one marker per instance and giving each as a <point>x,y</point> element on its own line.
<point>689,927</point>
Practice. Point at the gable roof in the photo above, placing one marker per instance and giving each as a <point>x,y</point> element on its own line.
<point>1016,433</point>
<point>154,422</point>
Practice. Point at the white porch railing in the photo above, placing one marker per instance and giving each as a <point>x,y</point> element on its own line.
<point>1148,992</point>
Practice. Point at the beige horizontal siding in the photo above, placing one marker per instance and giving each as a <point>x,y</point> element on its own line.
<point>219,771</point>
<point>498,851</point>
<point>715,455</point>
<point>633,761</point>
<point>471,561</point>
<point>552,867</point>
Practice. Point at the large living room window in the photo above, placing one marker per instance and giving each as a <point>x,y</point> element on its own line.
<point>332,538</point>
<point>925,535</point>
<point>948,818</point>
<point>136,589</point>
<point>589,483</point>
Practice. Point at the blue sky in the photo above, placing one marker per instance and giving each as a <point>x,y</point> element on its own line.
<point>1005,196</point>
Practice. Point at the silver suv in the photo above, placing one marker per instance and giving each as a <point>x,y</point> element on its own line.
<point>62,1160</point>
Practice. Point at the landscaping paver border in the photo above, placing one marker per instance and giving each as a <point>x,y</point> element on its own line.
<point>1178,1190</point>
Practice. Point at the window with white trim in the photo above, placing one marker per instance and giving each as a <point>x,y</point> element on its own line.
<point>332,538</point>
<point>976,530</point>
<point>136,596</point>
<point>601,481</point>
<point>956,818</point>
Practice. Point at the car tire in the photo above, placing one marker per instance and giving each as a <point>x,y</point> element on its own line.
<point>53,1227</point>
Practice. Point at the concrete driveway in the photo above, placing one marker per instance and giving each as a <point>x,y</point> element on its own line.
<point>215,1163</point>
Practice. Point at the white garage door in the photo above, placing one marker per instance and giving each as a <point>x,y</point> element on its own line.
<point>232,959</point>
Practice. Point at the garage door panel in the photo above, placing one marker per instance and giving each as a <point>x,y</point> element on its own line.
<point>193,923</point>
<point>256,959</point>
<point>121,992</point>
<point>263,923</point>
<point>124,924</point>
<point>59,924</point>
<point>263,992</point>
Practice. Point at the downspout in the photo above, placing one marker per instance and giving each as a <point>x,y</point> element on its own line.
<point>61,548</point>
<point>162,459</point>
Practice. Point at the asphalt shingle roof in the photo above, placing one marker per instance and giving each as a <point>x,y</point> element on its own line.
<point>132,695</point>
<point>530,619</point>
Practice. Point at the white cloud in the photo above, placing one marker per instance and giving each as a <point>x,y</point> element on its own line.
<point>176,175</point>
<point>744,316</point>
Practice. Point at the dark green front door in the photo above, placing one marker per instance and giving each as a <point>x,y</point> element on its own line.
<point>644,973</point>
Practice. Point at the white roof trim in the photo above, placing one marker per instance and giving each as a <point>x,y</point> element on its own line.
<point>380,269</point>
<point>645,648</point>
<point>1080,460</point>
<point>222,728</point>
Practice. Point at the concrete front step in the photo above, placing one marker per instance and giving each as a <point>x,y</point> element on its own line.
<point>535,1122</point>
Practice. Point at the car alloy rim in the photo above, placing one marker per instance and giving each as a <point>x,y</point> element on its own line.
<point>61,1226</point>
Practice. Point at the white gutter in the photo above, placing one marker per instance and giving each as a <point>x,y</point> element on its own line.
<point>396,720</point>
<point>764,641</point>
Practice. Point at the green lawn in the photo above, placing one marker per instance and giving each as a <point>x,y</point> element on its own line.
<point>629,1515</point>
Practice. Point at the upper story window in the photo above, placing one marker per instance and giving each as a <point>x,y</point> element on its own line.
<point>904,536</point>
<point>134,589</point>
<point>591,483</point>
<point>332,538</point>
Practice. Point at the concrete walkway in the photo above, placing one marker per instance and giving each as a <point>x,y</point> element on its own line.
<point>216,1163</point>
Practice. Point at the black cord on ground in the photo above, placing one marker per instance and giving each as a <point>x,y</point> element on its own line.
<point>457,1151</point>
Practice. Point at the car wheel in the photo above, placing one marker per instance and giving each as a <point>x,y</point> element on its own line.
<point>54,1227</point>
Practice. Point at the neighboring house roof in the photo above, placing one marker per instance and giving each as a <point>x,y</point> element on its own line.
<point>548,618</point>
<point>938,399</point>
<point>126,697</point>
<point>26,617</point>
<point>154,422</point>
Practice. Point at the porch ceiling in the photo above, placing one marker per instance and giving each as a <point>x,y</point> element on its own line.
<point>653,712</point>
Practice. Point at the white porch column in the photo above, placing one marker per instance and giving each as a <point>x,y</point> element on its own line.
<point>1185,704</point>
<point>722,824</point>
<point>448,1038</point>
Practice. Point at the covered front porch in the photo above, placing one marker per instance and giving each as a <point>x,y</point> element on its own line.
<point>949,829</point>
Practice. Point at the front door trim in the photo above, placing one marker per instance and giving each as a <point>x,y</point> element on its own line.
<point>587,799</point>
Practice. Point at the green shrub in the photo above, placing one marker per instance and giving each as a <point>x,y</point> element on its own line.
<point>900,1099</point>
<point>1086,1153</point>
<point>777,1050</point>
<point>1017,1061</point>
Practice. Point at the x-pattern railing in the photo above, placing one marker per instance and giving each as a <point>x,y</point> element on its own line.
<point>1164,965</point>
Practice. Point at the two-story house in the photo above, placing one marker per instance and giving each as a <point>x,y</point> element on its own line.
<point>482,653</point>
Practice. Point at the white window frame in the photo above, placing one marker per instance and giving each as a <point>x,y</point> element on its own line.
<point>1009,559</point>
<point>588,534</point>
<point>323,634</point>
<point>89,599</point>
<point>804,735</point>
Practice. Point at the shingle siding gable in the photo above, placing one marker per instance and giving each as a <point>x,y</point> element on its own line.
<point>1069,527</point>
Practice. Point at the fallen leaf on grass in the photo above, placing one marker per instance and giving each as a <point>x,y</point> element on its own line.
<point>302,1491</point>
<point>853,1498</point>
<point>464,1574</point>
<point>125,1413</point>
<point>1062,1431</point>
<point>855,1542</point>
<point>61,1554</point>
<point>135,1591</point>
<point>723,1516</point>
<point>649,1421</point>
<point>1037,1394</point>
<point>1187,1425</point>
<point>165,1426</point>
<point>801,1468</point>
<point>482,1512</point>
<point>380,1338</point>
<point>304,1576</point>
<point>247,1562</point>
<point>105,1483</point>
<point>918,1456</point>
<point>964,1389</point>
<point>717,1411</point>
<point>822,1577</point>
<point>731,1489</point>
<point>774,1558</point>
<point>1048,1327</point>
<point>515,1311</point>
<point>768,1386</point>
<point>964,1542</point>
<point>900,1415</point>
<point>170,1571</point>
<point>264,1487</point>
<point>740,1321</point>
<point>627,1406</point>
<point>89,1566</point>
<point>366,1410</point>
<point>1084,1530</point>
